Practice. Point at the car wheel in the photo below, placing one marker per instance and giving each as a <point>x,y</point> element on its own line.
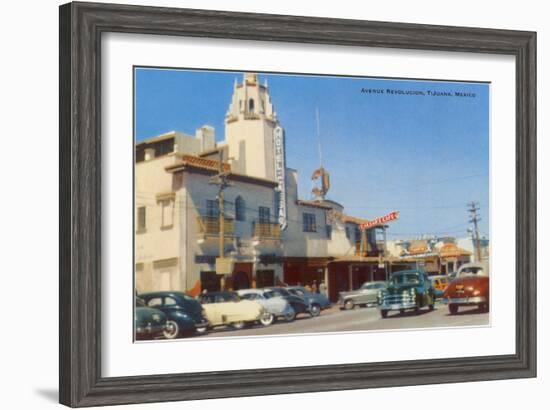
<point>384,314</point>
<point>290,316</point>
<point>315,310</point>
<point>237,325</point>
<point>417,310</point>
<point>267,319</point>
<point>402,311</point>
<point>453,309</point>
<point>348,304</point>
<point>172,330</point>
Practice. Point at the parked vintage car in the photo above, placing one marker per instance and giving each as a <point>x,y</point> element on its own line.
<point>317,301</point>
<point>299,304</point>
<point>276,307</point>
<point>226,308</point>
<point>439,283</point>
<point>470,288</point>
<point>366,295</point>
<point>149,323</point>
<point>184,314</point>
<point>409,289</point>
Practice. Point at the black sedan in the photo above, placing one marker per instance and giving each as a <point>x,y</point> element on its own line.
<point>185,316</point>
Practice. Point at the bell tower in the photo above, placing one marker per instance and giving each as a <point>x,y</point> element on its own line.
<point>249,126</point>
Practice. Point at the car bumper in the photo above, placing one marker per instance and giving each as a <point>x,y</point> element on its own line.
<point>149,331</point>
<point>473,300</point>
<point>201,324</point>
<point>397,306</point>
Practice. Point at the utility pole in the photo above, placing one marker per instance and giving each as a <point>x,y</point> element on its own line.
<point>473,208</point>
<point>221,180</point>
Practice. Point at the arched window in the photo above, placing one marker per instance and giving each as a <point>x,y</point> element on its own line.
<point>240,209</point>
<point>251,105</point>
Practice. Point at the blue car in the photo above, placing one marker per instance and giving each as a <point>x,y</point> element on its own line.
<point>184,314</point>
<point>149,323</point>
<point>317,301</point>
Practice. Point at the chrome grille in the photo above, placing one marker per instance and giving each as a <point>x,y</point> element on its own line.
<point>397,299</point>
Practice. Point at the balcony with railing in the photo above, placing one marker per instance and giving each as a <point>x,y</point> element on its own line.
<point>210,225</point>
<point>266,230</point>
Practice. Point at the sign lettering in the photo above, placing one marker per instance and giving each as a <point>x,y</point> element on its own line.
<point>392,216</point>
<point>280,173</point>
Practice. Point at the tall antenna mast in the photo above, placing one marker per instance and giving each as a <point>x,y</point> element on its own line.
<point>319,137</point>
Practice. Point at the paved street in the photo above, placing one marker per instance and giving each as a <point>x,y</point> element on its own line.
<point>335,320</point>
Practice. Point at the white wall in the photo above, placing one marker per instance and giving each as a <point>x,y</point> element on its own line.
<point>29,70</point>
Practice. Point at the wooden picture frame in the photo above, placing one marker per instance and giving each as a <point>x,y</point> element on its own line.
<point>81,27</point>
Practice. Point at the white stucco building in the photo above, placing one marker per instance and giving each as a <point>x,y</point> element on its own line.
<point>271,235</point>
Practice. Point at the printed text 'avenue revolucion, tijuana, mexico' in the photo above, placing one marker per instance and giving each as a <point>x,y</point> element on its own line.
<point>428,93</point>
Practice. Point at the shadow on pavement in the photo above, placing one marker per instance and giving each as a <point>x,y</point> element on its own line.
<point>408,313</point>
<point>468,311</point>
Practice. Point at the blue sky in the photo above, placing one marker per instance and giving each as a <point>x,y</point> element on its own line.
<point>423,155</point>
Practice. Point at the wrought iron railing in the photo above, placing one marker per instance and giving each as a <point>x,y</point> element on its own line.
<point>210,225</point>
<point>266,230</point>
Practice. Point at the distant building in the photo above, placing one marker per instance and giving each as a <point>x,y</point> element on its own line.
<point>468,243</point>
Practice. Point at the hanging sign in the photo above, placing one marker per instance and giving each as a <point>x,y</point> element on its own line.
<point>280,173</point>
<point>392,216</point>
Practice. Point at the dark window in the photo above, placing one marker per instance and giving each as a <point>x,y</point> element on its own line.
<point>265,278</point>
<point>140,155</point>
<point>251,105</point>
<point>164,147</point>
<point>348,232</point>
<point>212,209</point>
<point>329,231</point>
<point>240,209</point>
<point>309,224</point>
<point>210,282</point>
<point>264,214</point>
<point>357,234</point>
<point>142,219</point>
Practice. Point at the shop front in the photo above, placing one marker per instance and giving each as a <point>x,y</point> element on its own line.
<point>304,271</point>
<point>349,273</point>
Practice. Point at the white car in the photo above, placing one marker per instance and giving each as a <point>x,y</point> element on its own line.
<point>277,307</point>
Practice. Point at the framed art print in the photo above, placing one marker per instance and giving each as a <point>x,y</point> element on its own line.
<point>258,204</point>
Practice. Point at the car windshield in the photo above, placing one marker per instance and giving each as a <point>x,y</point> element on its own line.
<point>227,297</point>
<point>250,296</point>
<point>187,297</point>
<point>472,270</point>
<point>372,286</point>
<point>406,278</point>
<point>276,293</point>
